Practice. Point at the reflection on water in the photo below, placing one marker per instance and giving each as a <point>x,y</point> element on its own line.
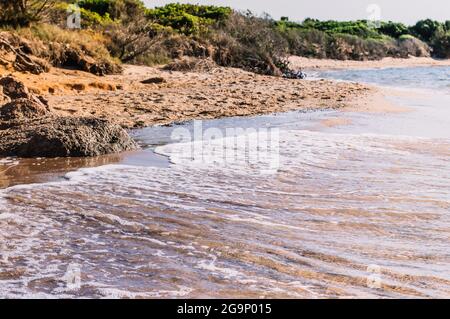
<point>356,209</point>
<point>15,171</point>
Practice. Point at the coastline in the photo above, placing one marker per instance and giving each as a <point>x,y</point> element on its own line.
<point>326,64</point>
<point>349,179</point>
<point>184,96</point>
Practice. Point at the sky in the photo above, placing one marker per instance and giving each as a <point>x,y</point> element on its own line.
<point>407,11</point>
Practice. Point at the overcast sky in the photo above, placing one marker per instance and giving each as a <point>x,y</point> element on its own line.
<point>408,11</point>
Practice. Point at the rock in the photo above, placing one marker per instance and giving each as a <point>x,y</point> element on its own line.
<point>23,108</point>
<point>14,89</point>
<point>63,137</point>
<point>155,80</point>
<point>29,129</point>
<point>3,98</point>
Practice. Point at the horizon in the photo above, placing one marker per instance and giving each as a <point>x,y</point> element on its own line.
<point>383,10</point>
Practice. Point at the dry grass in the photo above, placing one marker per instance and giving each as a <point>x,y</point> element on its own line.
<point>190,64</point>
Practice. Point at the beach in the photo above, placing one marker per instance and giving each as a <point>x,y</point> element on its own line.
<point>356,208</point>
<point>183,96</point>
<point>219,92</point>
<point>327,64</point>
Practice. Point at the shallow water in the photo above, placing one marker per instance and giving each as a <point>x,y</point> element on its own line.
<point>358,206</point>
<point>433,78</point>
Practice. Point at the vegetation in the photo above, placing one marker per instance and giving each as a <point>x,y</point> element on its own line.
<point>23,12</point>
<point>187,18</point>
<point>127,31</point>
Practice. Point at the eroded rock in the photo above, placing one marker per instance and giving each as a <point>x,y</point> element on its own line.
<point>23,109</point>
<point>28,128</point>
<point>64,137</point>
<point>13,88</point>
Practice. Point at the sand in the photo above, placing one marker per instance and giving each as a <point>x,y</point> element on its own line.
<point>319,64</point>
<point>221,92</point>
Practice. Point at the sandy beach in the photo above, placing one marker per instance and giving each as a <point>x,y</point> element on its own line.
<point>181,96</point>
<point>325,64</point>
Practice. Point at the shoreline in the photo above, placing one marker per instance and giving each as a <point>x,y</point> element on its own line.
<point>182,96</point>
<point>328,64</point>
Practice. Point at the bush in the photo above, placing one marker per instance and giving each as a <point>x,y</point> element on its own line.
<point>441,45</point>
<point>250,43</point>
<point>124,10</point>
<point>80,49</point>
<point>21,13</point>
<point>426,29</point>
<point>411,46</point>
<point>100,7</point>
<point>358,28</point>
<point>394,30</point>
<point>187,18</point>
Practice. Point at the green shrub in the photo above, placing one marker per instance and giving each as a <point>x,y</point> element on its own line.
<point>426,29</point>
<point>188,19</point>
<point>114,9</point>
<point>394,30</point>
<point>358,28</point>
<point>100,7</point>
<point>441,45</point>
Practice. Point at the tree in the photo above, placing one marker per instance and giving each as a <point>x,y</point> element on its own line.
<point>441,45</point>
<point>394,30</point>
<point>19,13</point>
<point>426,29</point>
<point>447,25</point>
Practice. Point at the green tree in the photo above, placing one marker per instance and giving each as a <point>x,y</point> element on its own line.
<point>393,29</point>
<point>447,25</point>
<point>441,44</point>
<point>426,29</point>
<point>187,18</point>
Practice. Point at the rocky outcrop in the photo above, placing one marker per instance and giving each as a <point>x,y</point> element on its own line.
<point>28,128</point>
<point>64,137</point>
<point>23,109</point>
